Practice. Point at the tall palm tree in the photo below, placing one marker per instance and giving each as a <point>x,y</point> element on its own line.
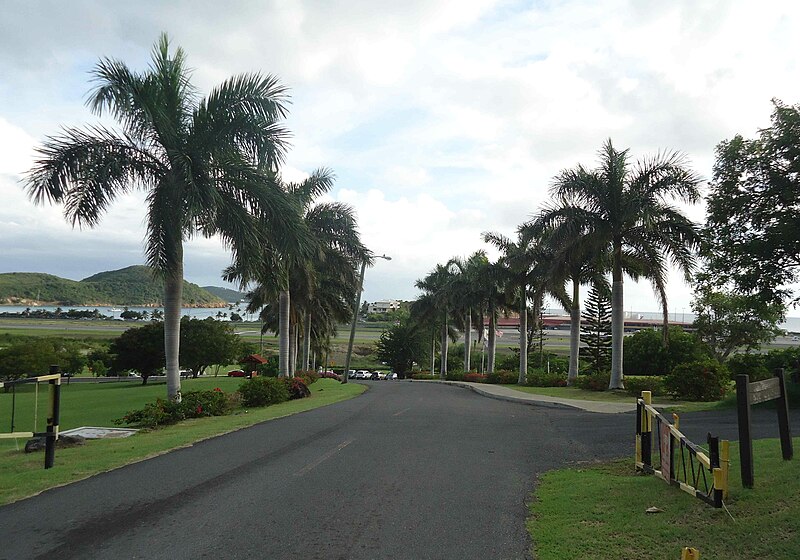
<point>331,250</point>
<point>577,260</point>
<point>207,166</point>
<point>468,275</point>
<point>629,208</point>
<point>438,295</point>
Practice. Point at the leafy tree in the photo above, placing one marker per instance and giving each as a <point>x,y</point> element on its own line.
<point>629,209</point>
<point>596,335</point>
<point>752,213</point>
<point>139,349</point>
<point>645,353</point>
<point>728,321</point>
<point>35,356</point>
<point>207,166</point>
<point>206,342</point>
<point>400,346</point>
<point>235,317</point>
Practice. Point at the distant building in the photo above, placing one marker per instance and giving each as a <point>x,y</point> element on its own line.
<point>383,306</point>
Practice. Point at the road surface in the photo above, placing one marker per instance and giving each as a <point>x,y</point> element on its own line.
<point>407,470</point>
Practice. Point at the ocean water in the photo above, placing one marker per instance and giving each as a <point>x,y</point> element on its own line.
<point>194,312</point>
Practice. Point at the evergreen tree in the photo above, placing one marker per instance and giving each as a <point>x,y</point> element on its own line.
<point>596,332</point>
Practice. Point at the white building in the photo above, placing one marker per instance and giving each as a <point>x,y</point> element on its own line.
<point>383,306</point>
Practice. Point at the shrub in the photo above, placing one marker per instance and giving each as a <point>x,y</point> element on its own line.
<point>454,376</point>
<point>635,385</point>
<point>425,376</point>
<point>263,391</point>
<point>540,378</point>
<point>308,376</point>
<point>194,404</point>
<point>297,387</point>
<point>593,382</point>
<point>475,377</point>
<point>753,365</point>
<point>644,352</point>
<point>503,377</point>
<point>704,380</point>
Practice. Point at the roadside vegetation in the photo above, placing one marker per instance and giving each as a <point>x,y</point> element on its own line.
<point>604,504</point>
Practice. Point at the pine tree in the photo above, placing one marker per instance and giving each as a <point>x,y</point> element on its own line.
<point>596,332</point>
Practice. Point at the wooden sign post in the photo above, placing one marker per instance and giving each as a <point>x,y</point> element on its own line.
<point>748,394</point>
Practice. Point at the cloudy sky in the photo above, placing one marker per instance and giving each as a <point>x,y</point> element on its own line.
<point>441,119</point>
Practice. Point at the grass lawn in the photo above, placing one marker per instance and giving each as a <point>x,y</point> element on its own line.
<point>666,403</point>
<point>23,475</point>
<point>598,512</point>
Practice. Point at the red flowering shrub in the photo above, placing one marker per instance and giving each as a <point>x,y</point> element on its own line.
<point>297,388</point>
<point>475,377</point>
<point>194,404</point>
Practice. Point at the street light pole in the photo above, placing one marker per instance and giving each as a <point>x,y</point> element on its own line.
<point>356,307</point>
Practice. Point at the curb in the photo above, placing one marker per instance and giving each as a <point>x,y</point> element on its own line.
<point>509,398</point>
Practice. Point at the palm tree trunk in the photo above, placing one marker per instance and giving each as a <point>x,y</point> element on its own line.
<point>617,324</point>
<point>574,332</point>
<point>523,337</point>
<point>433,352</point>
<point>294,346</point>
<point>467,341</point>
<point>443,356</point>
<point>307,343</point>
<point>283,329</point>
<point>173,292</point>
<point>492,340</point>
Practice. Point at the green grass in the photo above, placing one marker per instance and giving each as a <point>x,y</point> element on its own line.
<point>598,512</point>
<point>666,403</point>
<point>22,475</point>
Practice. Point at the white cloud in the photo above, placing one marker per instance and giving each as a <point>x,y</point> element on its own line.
<point>441,118</point>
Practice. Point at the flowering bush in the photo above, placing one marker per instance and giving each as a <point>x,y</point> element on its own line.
<point>308,376</point>
<point>541,378</point>
<point>593,382</point>
<point>194,404</point>
<point>297,387</point>
<point>475,377</point>
<point>503,377</point>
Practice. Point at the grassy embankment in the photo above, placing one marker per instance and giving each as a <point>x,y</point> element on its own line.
<point>598,512</point>
<point>23,475</point>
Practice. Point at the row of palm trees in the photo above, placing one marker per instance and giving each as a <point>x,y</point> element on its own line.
<point>617,219</point>
<point>209,166</point>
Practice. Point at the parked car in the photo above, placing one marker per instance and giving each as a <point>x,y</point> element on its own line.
<point>236,373</point>
<point>351,374</point>
<point>391,376</point>
<point>362,374</point>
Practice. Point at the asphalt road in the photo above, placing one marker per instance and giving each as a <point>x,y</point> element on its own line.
<point>407,470</point>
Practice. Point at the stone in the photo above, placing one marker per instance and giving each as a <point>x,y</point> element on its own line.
<point>39,443</point>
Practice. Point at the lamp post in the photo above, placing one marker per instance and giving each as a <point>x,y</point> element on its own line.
<point>356,306</point>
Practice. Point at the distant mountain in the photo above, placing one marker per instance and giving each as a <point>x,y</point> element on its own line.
<point>134,285</point>
<point>231,296</point>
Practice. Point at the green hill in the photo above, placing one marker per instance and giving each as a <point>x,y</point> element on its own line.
<point>134,285</point>
<point>231,296</point>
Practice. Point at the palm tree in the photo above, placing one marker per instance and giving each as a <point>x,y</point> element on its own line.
<point>207,166</point>
<point>467,277</point>
<point>628,208</point>
<point>577,260</point>
<point>438,294</point>
<point>299,279</point>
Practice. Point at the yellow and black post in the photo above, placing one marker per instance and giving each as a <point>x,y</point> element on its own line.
<point>51,436</point>
<point>647,431</point>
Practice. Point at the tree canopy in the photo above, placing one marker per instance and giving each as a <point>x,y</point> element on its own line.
<point>752,227</point>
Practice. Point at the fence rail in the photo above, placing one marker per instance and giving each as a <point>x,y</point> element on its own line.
<point>681,462</point>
